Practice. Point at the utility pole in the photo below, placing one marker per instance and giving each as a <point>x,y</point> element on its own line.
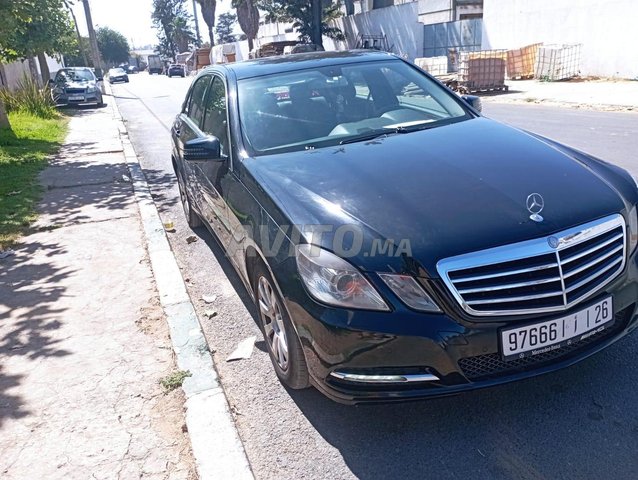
<point>199,38</point>
<point>95,52</point>
<point>317,17</point>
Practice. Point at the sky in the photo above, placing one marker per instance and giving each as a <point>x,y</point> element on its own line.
<point>132,18</point>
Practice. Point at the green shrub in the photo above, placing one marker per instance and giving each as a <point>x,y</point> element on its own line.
<point>29,98</point>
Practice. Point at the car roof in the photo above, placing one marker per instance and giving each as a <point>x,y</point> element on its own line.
<point>300,61</point>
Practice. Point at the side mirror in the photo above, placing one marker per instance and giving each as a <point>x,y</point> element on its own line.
<point>473,101</point>
<point>100,79</point>
<point>202,149</point>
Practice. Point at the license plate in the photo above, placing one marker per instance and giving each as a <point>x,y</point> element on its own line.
<point>76,98</point>
<point>530,340</point>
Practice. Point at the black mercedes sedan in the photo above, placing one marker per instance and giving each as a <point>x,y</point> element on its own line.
<point>397,244</point>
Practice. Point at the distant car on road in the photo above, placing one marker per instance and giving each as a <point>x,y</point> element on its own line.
<point>117,75</point>
<point>396,243</point>
<point>132,69</point>
<point>176,70</point>
<point>76,86</point>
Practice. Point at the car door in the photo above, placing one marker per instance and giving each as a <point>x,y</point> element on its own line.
<point>211,173</point>
<point>187,128</point>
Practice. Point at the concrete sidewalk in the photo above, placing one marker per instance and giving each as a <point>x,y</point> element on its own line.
<point>615,95</point>
<point>83,340</point>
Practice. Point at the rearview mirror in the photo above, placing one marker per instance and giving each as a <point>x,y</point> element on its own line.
<point>473,101</point>
<point>202,149</point>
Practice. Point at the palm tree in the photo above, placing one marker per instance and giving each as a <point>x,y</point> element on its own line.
<point>248,18</point>
<point>208,12</point>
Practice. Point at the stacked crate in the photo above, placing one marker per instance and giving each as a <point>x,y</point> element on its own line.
<point>558,62</point>
<point>482,71</point>
<point>521,62</point>
<point>436,66</point>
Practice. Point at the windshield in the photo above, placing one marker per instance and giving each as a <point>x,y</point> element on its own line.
<point>116,71</point>
<point>338,104</point>
<point>74,75</point>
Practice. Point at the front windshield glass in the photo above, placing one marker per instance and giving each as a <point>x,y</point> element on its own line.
<point>330,105</point>
<point>74,75</point>
<point>116,71</point>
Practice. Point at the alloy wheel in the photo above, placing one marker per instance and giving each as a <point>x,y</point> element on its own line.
<point>272,320</point>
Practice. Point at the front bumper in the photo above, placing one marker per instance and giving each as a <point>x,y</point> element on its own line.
<point>71,99</point>
<point>460,353</point>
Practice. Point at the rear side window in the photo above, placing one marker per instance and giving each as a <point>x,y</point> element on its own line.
<point>195,109</point>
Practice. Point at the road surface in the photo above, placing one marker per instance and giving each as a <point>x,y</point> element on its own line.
<point>581,422</point>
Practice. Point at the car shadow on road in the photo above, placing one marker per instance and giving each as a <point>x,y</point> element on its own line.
<point>576,423</point>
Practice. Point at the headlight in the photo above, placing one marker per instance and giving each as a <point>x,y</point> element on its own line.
<point>58,89</point>
<point>332,280</point>
<point>90,90</point>
<point>410,292</point>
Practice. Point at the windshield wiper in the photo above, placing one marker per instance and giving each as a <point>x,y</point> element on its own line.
<point>366,136</point>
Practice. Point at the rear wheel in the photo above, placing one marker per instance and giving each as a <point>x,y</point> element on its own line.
<point>191,217</point>
<point>281,339</point>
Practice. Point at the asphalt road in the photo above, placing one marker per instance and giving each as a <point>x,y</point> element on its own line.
<point>581,422</point>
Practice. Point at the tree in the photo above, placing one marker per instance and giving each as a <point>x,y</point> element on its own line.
<point>48,30</point>
<point>82,48</point>
<point>113,46</point>
<point>225,24</point>
<point>300,13</point>
<point>32,28</point>
<point>172,22</point>
<point>248,17</point>
<point>78,58</point>
<point>208,12</point>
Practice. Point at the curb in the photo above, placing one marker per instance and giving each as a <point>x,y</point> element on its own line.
<point>216,445</point>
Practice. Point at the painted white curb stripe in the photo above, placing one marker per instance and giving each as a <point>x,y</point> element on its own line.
<point>217,448</point>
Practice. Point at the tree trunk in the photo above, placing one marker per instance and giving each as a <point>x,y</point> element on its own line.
<point>211,35</point>
<point>4,119</point>
<point>317,18</point>
<point>250,44</point>
<point>77,32</point>
<point>33,69</point>
<point>44,68</point>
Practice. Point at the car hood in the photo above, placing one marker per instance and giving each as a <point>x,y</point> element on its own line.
<point>446,191</point>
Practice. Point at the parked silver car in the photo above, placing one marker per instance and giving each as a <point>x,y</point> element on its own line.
<point>76,86</point>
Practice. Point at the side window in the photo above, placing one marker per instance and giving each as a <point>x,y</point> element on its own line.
<point>215,120</point>
<point>195,109</point>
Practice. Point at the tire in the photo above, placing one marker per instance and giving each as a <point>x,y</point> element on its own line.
<point>192,218</point>
<point>285,350</point>
<point>170,76</point>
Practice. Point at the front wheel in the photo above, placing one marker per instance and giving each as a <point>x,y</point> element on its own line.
<point>281,338</point>
<point>192,218</point>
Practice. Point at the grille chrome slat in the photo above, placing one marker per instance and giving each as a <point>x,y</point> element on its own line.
<point>585,281</point>
<point>592,249</point>
<point>556,293</point>
<point>510,283</point>
<point>505,274</point>
<point>593,262</point>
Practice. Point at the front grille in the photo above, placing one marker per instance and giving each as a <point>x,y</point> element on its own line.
<point>75,90</point>
<point>543,275</point>
<point>483,367</point>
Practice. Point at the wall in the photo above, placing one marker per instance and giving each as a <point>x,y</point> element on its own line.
<point>606,28</point>
<point>399,24</point>
<point>12,73</point>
